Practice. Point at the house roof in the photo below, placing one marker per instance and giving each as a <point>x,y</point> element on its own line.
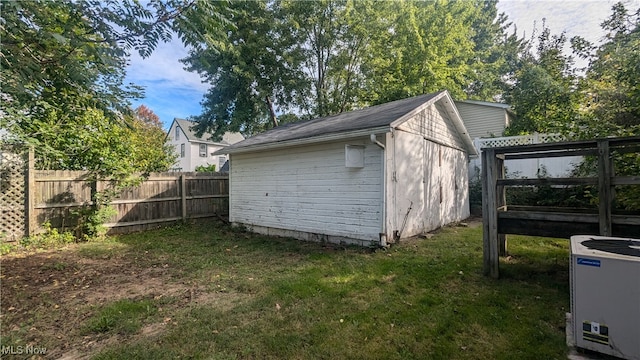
<point>486,103</point>
<point>187,127</point>
<point>378,118</point>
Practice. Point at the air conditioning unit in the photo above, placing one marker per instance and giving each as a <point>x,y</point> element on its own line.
<point>605,295</point>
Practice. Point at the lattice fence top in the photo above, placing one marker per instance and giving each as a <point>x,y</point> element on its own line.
<point>12,194</point>
<point>550,138</point>
<point>518,140</point>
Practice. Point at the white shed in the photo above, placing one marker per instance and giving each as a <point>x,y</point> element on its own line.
<point>366,177</point>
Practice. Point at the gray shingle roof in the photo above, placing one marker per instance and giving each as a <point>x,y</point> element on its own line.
<point>368,118</point>
<point>227,138</point>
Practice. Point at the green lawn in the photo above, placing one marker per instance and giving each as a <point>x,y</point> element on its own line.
<point>259,297</point>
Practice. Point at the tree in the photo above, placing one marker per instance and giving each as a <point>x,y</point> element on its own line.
<point>150,151</point>
<point>612,92</point>
<point>62,68</point>
<point>107,149</point>
<point>543,94</point>
<point>496,53</point>
<point>71,55</point>
<point>333,38</point>
<point>548,95</point>
<point>417,55</point>
<point>102,147</point>
<point>252,74</point>
<point>147,116</point>
<point>612,84</point>
<point>310,59</point>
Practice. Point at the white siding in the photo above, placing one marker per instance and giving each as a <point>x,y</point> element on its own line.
<point>197,160</point>
<point>433,124</point>
<point>183,163</point>
<point>455,182</point>
<point>481,120</point>
<point>192,158</point>
<point>427,180</point>
<point>308,189</point>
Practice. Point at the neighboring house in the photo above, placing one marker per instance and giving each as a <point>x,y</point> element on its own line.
<point>484,119</point>
<point>366,177</point>
<point>194,151</point>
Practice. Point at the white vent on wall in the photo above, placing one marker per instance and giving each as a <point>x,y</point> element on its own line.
<point>354,156</point>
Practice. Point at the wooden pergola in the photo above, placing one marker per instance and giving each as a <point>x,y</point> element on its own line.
<point>499,219</point>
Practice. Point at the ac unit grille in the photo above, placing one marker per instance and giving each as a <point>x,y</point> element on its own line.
<point>620,247</point>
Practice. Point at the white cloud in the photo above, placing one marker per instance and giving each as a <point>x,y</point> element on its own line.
<point>170,90</point>
<point>164,66</point>
<point>576,18</point>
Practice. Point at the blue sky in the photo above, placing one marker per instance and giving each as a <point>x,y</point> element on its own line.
<point>173,92</point>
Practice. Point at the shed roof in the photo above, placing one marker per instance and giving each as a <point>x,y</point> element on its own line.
<point>376,117</point>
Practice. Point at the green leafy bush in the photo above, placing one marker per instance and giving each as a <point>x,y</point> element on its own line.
<point>50,238</point>
<point>545,195</point>
<point>206,168</point>
<point>91,222</point>
<point>5,248</point>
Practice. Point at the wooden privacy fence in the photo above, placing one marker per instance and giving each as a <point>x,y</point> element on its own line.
<point>30,198</point>
<point>500,219</point>
<point>161,198</point>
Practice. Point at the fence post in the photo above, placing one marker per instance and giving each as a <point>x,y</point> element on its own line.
<point>183,196</point>
<point>605,194</point>
<point>490,213</point>
<point>30,184</point>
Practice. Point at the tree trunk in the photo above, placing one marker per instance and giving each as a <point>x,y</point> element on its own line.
<point>272,113</point>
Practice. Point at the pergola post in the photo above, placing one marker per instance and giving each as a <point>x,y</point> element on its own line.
<point>490,213</point>
<point>605,193</point>
<point>501,204</point>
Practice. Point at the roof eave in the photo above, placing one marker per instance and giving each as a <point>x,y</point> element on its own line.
<point>459,124</point>
<point>457,119</point>
<point>487,104</point>
<point>303,141</point>
<point>166,137</point>
<point>415,111</point>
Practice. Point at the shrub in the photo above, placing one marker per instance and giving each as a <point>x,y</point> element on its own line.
<point>544,195</point>
<point>50,238</point>
<point>206,168</point>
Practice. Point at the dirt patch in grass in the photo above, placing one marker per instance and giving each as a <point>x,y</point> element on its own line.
<point>47,298</point>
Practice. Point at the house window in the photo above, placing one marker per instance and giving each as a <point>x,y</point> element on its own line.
<point>221,161</point>
<point>203,150</point>
<point>177,132</point>
<point>181,150</point>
